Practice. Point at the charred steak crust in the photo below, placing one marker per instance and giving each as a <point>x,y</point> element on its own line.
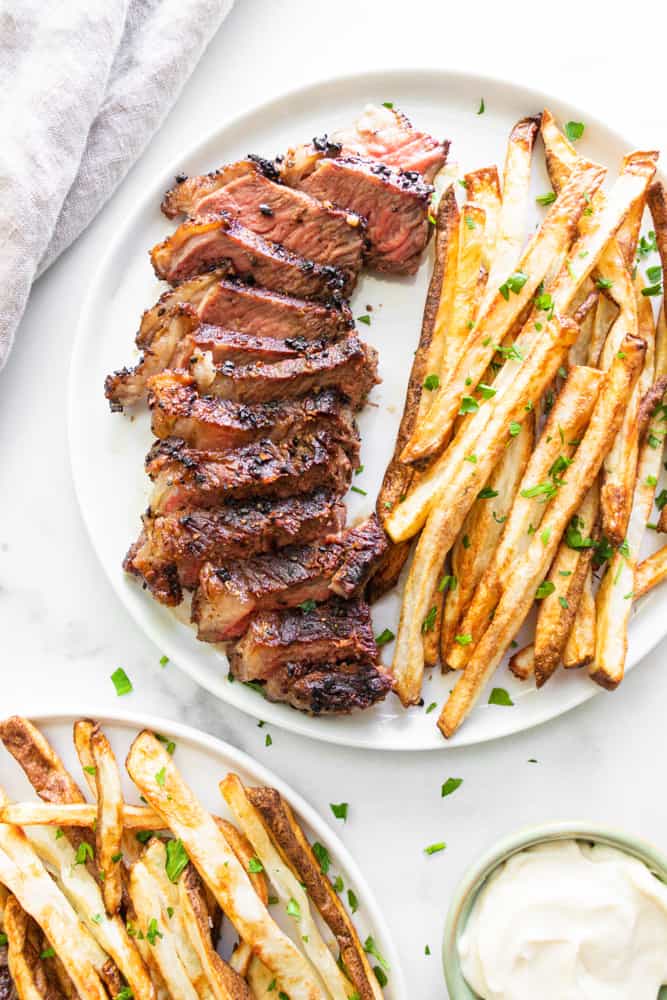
<point>329,688</point>
<point>200,245</point>
<point>185,477</point>
<point>349,365</point>
<point>394,203</point>
<point>335,631</point>
<point>278,213</point>
<point>227,595</point>
<point>173,548</point>
<point>212,423</point>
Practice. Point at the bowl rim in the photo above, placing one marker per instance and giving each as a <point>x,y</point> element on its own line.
<point>473,879</point>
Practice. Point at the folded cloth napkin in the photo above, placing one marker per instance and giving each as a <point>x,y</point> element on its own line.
<point>84,85</point>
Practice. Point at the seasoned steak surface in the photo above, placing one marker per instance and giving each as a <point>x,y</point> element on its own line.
<point>329,688</point>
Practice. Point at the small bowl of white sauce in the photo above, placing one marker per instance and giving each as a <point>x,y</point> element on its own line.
<point>569,911</point>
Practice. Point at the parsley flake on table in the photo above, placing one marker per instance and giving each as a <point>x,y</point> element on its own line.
<point>384,637</point>
<point>121,682</point>
<point>435,848</point>
<point>574,130</point>
<point>450,786</point>
<point>482,107</point>
<point>339,810</point>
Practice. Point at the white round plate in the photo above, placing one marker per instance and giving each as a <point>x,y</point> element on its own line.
<point>203,762</point>
<point>108,449</point>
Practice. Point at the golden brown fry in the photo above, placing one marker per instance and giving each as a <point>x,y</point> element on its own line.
<point>650,572</point>
<point>481,531</point>
<point>483,188</point>
<point>76,815</point>
<point>511,227</point>
<point>290,838</point>
<point>288,887</point>
<point>29,971</point>
<point>569,416</point>
<point>44,769</point>
<point>82,732</point>
<point>427,360</point>
<point>580,646</point>
<point>225,983</point>
<point>502,308</point>
<point>466,476</point>
<point>109,828</point>
<point>567,575</point>
<point>242,848</point>
<point>455,317</point>
<point>431,632</point>
<point>218,866</point>
<point>606,313</point>
<point>522,663</point>
<point>520,592</point>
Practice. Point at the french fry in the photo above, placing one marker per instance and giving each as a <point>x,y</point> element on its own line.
<point>467,475</point>
<point>502,307</point>
<point>584,316</point>
<point>580,646</point>
<point>522,663</point>
<point>28,970</point>
<point>512,216</point>
<point>570,415</point>
<point>606,313</point>
<point>617,590</point>
<point>567,576</point>
<point>520,592</point>
<point>288,835</point>
<point>109,828</point>
<point>75,815</point>
<point>225,983</point>
<point>287,885</point>
<point>432,627</point>
<point>483,188</point>
<point>218,866</point>
<point>650,572</point>
<point>242,955</point>
<point>44,769</point>
<point>427,360</point>
<point>455,317</point>
<point>481,531</point>
<point>82,731</point>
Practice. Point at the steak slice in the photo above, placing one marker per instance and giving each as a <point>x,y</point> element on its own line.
<point>208,422</point>
<point>228,595</point>
<point>186,477</point>
<point>276,212</point>
<point>240,307</point>
<point>394,203</point>
<point>329,688</point>
<point>173,548</point>
<point>214,240</point>
<point>329,633</point>
<point>349,365</point>
<point>386,134</point>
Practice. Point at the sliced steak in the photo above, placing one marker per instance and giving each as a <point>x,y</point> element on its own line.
<point>229,594</point>
<point>329,688</point>
<point>208,422</point>
<point>386,134</point>
<point>213,241</point>
<point>186,477</point>
<point>173,548</point>
<point>329,633</point>
<point>7,988</point>
<point>348,365</point>
<point>281,214</point>
<point>188,192</point>
<point>256,311</point>
<point>394,203</point>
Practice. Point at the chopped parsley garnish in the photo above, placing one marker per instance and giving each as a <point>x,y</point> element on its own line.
<point>432,382</point>
<point>153,933</point>
<point>427,950</point>
<point>487,493</point>
<point>90,769</point>
<point>358,489</point>
<point>293,909</point>
<point>170,746</point>
<point>482,107</point>
<point>339,810</point>
<point>563,602</point>
<point>255,866</point>
<point>545,536</point>
<point>308,605</point>
<point>268,742</point>
<point>654,274</point>
<point>463,640</point>
<point>466,542</point>
<point>651,481</point>
<point>164,660</point>
<point>449,583</point>
<point>177,860</point>
<point>604,283</point>
<point>161,777</point>
<point>469,405</point>
<point>514,283</point>
<point>544,589</point>
<point>573,536</point>
<point>661,499</point>
<point>352,901</point>
<point>652,290</point>
<point>450,786</point>
<point>470,222</point>
<point>544,302</point>
<point>364,319</point>
<point>388,104</point>
<point>546,199</point>
<point>322,856</point>
<point>515,428</point>
<point>384,637</point>
<point>499,696</point>
<point>647,245</point>
<point>435,848</point>
<point>429,622</point>
<point>431,707</point>
<point>486,391</point>
<point>574,130</point>
<point>546,489</point>
<point>121,681</point>
<point>84,852</point>
<point>117,857</point>
<point>470,458</point>
<point>47,953</point>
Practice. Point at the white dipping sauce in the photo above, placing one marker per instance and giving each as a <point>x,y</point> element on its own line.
<point>567,921</point>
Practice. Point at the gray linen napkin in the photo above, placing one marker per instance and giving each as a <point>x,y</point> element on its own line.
<point>84,85</point>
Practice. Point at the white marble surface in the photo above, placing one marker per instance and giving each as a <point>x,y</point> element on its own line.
<point>62,630</point>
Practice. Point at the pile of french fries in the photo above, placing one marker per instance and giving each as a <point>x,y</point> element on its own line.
<point>531,442</point>
<point>103,899</point>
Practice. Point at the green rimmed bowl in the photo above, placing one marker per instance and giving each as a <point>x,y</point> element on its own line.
<point>476,876</point>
